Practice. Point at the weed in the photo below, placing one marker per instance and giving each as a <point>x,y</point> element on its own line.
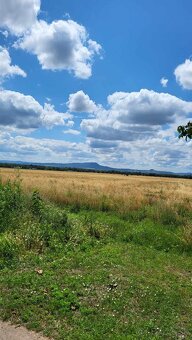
<point>36,203</point>
<point>94,232</point>
<point>187,236</point>
<point>165,215</point>
<point>34,237</point>
<point>62,301</point>
<point>8,250</point>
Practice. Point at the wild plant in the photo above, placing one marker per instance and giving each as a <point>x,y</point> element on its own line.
<point>11,203</point>
<point>36,203</point>
<point>8,250</point>
<point>187,236</point>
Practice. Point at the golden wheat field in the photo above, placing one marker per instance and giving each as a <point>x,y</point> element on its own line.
<point>103,191</point>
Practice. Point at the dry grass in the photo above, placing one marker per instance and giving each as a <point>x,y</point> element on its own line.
<point>104,191</point>
<point>187,235</point>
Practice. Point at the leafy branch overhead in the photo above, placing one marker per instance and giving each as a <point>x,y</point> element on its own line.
<point>185,131</point>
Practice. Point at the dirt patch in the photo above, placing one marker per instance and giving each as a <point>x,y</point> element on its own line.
<point>10,332</point>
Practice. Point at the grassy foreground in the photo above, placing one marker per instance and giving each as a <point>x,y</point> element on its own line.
<point>88,274</point>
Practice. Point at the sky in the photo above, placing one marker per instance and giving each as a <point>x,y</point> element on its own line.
<point>104,81</point>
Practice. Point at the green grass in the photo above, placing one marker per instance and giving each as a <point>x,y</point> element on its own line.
<point>94,275</point>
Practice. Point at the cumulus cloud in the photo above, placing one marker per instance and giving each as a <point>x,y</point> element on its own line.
<point>72,132</point>
<point>61,45</point>
<point>69,123</point>
<point>42,149</point>
<point>100,144</point>
<point>97,130</point>
<point>164,82</point>
<point>17,16</point>
<point>50,117</point>
<point>138,130</point>
<point>80,102</point>
<point>24,112</point>
<point>135,116</point>
<point>147,107</point>
<point>158,153</point>
<point>183,74</point>
<point>6,69</point>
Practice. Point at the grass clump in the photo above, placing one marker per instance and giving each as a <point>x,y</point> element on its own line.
<point>28,220</point>
<point>187,236</point>
<point>8,251</point>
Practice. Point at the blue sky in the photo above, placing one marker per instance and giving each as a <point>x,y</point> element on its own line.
<point>106,81</point>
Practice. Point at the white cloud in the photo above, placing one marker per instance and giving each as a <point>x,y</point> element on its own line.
<point>61,45</point>
<point>50,117</point>
<point>164,82</point>
<point>6,69</point>
<point>72,132</point>
<point>101,144</point>
<point>183,74</point>
<point>17,16</point>
<point>42,150</point>
<point>70,123</point>
<point>147,107</point>
<point>138,130</point>
<point>5,34</point>
<point>24,112</point>
<point>171,154</point>
<point>136,116</point>
<point>80,102</point>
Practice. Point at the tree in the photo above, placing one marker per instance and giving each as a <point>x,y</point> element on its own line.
<point>185,131</point>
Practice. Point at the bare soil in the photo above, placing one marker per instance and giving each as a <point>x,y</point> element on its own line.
<point>11,332</point>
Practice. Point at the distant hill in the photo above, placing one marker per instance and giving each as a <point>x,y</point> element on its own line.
<point>87,165</point>
<point>93,166</point>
